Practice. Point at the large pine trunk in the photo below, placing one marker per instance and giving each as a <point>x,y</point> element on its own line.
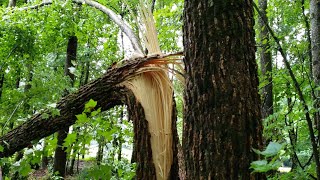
<point>222,104</point>
<point>108,92</point>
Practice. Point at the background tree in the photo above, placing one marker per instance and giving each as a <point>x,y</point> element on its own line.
<point>265,61</point>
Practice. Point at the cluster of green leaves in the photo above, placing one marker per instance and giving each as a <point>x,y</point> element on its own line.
<point>271,152</point>
<point>288,124</point>
<point>110,131</point>
<point>110,170</point>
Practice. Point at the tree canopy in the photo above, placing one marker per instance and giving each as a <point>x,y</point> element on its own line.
<point>37,98</point>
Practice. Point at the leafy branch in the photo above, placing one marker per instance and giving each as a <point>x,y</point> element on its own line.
<point>299,91</point>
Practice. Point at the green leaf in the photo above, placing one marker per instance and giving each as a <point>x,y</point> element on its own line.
<point>82,118</point>
<point>264,166</point>
<point>272,149</point>
<point>55,112</point>
<point>45,116</point>
<point>25,168</point>
<point>259,163</point>
<point>90,104</point>
<point>70,139</point>
<point>1,148</point>
<point>94,113</point>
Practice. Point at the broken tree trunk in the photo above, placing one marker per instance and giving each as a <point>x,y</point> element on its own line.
<point>108,92</point>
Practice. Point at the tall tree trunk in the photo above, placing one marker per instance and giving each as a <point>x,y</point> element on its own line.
<point>60,157</point>
<point>222,104</point>
<point>266,61</point>
<point>315,49</point>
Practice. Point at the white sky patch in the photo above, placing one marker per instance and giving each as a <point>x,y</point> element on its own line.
<point>279,61</point>
<point>174,7</point>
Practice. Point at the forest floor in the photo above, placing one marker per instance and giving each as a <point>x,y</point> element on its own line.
<point>42,174</point>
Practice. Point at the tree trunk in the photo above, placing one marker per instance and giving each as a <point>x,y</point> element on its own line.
<point>222,105</point>
<point>142,153</point>
<point>266,61</point>
<point>315,50</point>
<point>108,92</point>
<point>60,157</point>
<point>71,56</point>
<point>100,151</point>
<point>315,38</point>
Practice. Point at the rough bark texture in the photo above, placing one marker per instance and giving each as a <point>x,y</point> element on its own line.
<point>266,61</point>
<point>222,104</point>
<point>60,156</point>
<point>142,152</point>
<point>108,93</point>
<point>174,172</point>
<point>315,50</point>
<point>315,38</point>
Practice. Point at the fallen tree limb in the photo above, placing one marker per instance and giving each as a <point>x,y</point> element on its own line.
<point>105,90</point>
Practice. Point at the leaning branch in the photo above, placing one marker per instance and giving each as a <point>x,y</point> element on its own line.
<point>112,15</point>
<point>107,91</point>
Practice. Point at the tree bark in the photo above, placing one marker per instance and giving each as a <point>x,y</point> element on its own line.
<point>142,153</point>
<point>142,143</point>
<point>222,105</point>
<point>266,61</point>
<point>60,157</point>
<point>108,92</point>
<point>315,51</point>
<point>315,38</point>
